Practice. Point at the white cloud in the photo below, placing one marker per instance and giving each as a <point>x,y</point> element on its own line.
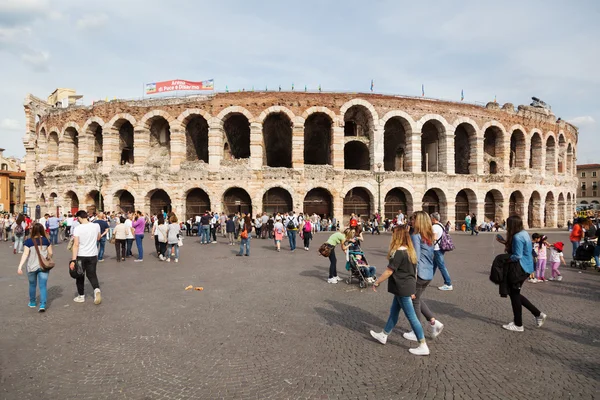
<point>582,121</point>
<point>10,125</point>
<point>91,21</point>
<point>38,60</point>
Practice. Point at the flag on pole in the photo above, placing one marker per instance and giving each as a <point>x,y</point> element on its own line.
<point>280,88</point>
<point>422,90</point>
<point>495,99</point>
<point>266,88</point>
<point>462,95</point>
<point>319,88</point>
<point>253,88</point>
<point>371,85</point>
<point>226,89</point>
<point>305,89</point>
<point>292,86</point>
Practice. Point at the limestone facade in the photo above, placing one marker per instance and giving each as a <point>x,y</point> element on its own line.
<point>321,152</point>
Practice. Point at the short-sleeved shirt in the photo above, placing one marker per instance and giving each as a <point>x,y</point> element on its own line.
<point>103,225</point>
<point>129,229</point>
<point>278,229</point>
<point>403,281</point>
<point>336,238</point>
<point>438,231</point>
<point>88,239</point>
<point>33,262</point>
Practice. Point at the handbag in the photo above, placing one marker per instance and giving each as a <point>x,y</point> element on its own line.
<point>46,265</point>
<point>77,271</point>
<point>325,249</point>
<point>244,234</point>
<point>112,240</point>
<point>179,240</point>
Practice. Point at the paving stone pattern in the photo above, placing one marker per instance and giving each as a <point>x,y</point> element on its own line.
<point>268,326</point>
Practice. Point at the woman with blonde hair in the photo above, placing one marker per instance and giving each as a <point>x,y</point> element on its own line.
<point>36,273</point>
<point>335,239</point>
<point>423,238</point>
<point>402,270</point>
<point>173,234</point>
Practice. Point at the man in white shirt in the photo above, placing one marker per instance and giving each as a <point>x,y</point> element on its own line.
<point>400,218</point>
<point>85,251</point>
<point>438,254</point>
<point>130,235</point>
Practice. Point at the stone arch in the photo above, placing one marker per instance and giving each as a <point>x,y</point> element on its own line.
<point>318,137</point>
<point>151,116</point>
<point>360,102</point>
<point>236,129</point>
<point>277,139</point>
<point>551,154</point>
<point>277,199</point>
<point>562,205</point>
<point>190,113</point>
<point>358,200</point>
<point>356,156</point>
<point>434,200</point>
<point>397,132</point>
<point>276,110</point>
<point>197,201</point>
<point>123,128</point>
<point>196,135</point>
<point>396,199</point>
<point>493,146</point>
<point>518,148</point>
<point>69,145</point>
<point>493,206</point>
<point>549,210</point>
<point>157,201</point>
<point>226,112</point>
<point>160,138</point>
<point>536,151</point>
<point>516,204</point>
<point>94,136</point>
<point>124,200</point>
<point>465,203</point>
<point>70,124</point>
<point>94,202</point>
<point>115,122</point>
<point>52,147</point>
<point>534,215</point>
<point>318,200</point>
<point>319,109</point>
<point>71,201</point>
<point>465,148</point>
<point>562,153</point>
<point>90,121</point>
<point>236,199</point>
<point>569,159</point>
<point>406,117</point>
<point>433,143</point>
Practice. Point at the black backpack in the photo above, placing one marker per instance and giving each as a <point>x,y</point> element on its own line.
<point>290,224</point>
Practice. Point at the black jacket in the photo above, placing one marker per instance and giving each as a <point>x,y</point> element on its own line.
<point>506,273</point>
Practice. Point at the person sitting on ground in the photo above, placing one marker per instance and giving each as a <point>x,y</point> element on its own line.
<point>365,269</point>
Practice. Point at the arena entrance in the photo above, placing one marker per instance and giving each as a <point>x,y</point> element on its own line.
<point>396,200</point>
<point>533,211</point>
<point>277,200</point>
<point>516,204</point>
<point>237,200</point>
<point>160,202</point>
<point>196,203</point>
<point>466,203</point>
<point>95,202</point>
<point>357,201</point>
<point>124,201</point>
<point>318,201</point>
<point>73,202</point>
<point>493,206</point>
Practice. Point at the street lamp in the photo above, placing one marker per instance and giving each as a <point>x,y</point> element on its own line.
<point>379,178</point>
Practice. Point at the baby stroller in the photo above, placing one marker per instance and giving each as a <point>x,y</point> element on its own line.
<point>354,268</point>
<point>584,255</point>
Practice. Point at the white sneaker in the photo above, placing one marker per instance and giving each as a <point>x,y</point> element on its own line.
<point>533,280</point>
<point>214,241</point>
<point>410,336</point>
<point>332,280</point>
<point>337,278</point>
<point>97,296</point>
<point>177,260</point>
<point>559,278</point>
<point>512,327</point>
<point>422,350</point>
<point>79,299</point>
<point>379,336</point>
<point>161,257</point>
<point>169,259</point>
<point>539,321</point>
<point>446,287</point>
<point>436,329</point>
<point>550,279</point>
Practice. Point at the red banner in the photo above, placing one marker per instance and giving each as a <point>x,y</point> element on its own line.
<point>176,85</point>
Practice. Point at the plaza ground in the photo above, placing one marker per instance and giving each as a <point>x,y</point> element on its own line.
<point>269,326</point>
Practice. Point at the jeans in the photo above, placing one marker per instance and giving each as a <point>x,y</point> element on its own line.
<point>34,278</point>
<point>292,238</point>
<point>438,263</point>
<point>129,244</point>
<point>474,230</point>
<point>213,233</point>
<point>597,256</point>
<point>89,269</point>
<point>140,246</point>
<point>575,246</point>
<point>307,237</point>
<point>368,272</point>
<point>205,234</point>
<point>170,247</point>
<point>420,304</point>
<point>230,237</point>
<point>247,243</point>
<point>54,236</point>
<point>405,304</point>
<point>199,229</point>
<point>101,245</point>
<point>19,243</point>
<point>517,300</point>
<point>120,249</point>
<point>332,264</point>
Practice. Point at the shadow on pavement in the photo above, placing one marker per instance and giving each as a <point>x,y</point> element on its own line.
<point>54,292</point>
<point>350,317</point>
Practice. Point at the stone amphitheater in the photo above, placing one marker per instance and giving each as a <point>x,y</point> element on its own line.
<point>328,153</point>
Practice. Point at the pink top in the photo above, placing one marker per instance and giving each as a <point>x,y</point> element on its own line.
<point>139,226</point>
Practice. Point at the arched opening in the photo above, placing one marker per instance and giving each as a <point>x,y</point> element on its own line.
<point>562,154</point>
<point>277,135</point>
<point>317,139</point>
<point>569,207</point>
<point>4,167</point>
<point>237,200</point>
<point>432,144</point>
<point>124,201</point>
<point>196,203</point>
<point>237,133</point>
<point>434,200</point>
<point>534,211</point>
<point>493,150</point>
<point>493,170</point>
<point>160,202</point>
<point>394,144</point>
<point>561,223</point>
<point>535,152</point>
<point>583,202</point>
<point>196,139</point>
<point>570,159</point>
<point>466,204</point>
<point>94,202</point>
<point>72,202</point>
<point>125,141</point>
<point>356,156</point>
<point>53,204</point>
<point>550,155</point>
<point>71,143</point>
<point>277,200</point>
<point>397,199</point>
<point>95,132</point>
<point>318,201</point>
<point>493,206</point>
<point>160,139</point>
<point>549,211</point>
<point>516,204</point>
<point>464,159</point>
<point>357,201</point>
<point>358,122</point>
<point>518,149</point>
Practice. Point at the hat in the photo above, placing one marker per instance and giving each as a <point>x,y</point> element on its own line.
<point>559,246</point>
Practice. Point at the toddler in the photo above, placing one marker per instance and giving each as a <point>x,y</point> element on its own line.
<point>556,257</point>
<point>542,259</point>
<point>535,240</point>
<point>367,271</point>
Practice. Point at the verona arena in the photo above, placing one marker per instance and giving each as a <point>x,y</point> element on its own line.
<point>311,152</point>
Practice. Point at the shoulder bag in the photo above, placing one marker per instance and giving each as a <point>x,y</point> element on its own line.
<point>47,264</point>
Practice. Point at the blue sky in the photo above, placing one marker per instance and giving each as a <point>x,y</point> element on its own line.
<point>510,49</point>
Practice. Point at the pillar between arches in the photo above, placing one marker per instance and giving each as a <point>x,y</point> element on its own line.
<point>414,153</point>
<point>298,146</point>
<point>178,149</point>
<point>450,213</point>
<point>141,146</point>
<point>215,146</point>
<point>337,147</point>
<point>378,150</point>
<point>477,155</point>
<point>447,154</point>
<point>111,156</point>
<point>338,209</point>
<point>256,146</point>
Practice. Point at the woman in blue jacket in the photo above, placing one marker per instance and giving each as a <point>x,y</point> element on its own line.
<point>518,245</point>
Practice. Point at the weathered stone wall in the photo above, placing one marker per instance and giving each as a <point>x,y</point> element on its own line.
<point>164,159</point>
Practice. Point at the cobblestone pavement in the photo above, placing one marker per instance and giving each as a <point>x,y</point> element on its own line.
<point>268,326</point>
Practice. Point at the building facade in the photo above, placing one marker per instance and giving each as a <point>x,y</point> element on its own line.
<point>329,153</point>
<point>12,184</point>
<point>588,192</point>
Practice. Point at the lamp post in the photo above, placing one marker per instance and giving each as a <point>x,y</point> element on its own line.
<point>379,178</point>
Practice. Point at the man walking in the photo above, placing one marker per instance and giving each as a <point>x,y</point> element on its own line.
<point>400,219</point>
<point>85,251</point>
<point>101,221</point>
<point>438,254</point>
<point>292,229</point>
<point>205,222</point>
<point>53,225</point>
<point>474,225</point>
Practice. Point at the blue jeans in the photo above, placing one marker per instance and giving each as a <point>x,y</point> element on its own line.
<point>129,244</point>
<point>405,304</point>
<point>34,278</point>
<point>140,246</point>
<point>54,236</point>
<point>575,246</point>
<point>438,262</point>
<point>292,238</point>
<point>19,243</point>
<point>169,248</point>
<point>368,272</point>
<point>101,244</point>
<point>247,243</point>
<point>205,234</point>
<point>597,256</point>
<point>199,229</point>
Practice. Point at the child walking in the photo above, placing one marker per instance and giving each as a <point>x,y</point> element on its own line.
<point>542,259</point>
<point>556,257</point>
<point>535,240</point>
